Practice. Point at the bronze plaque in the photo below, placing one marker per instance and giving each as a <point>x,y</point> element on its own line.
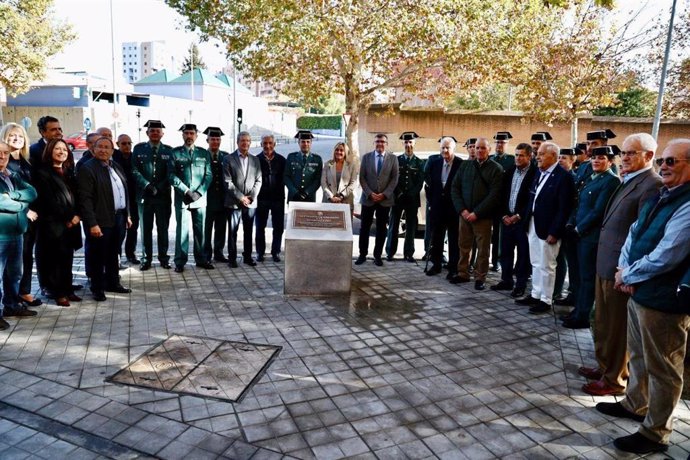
<point>312,219</point>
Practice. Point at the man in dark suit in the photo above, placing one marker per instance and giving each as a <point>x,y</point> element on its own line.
<point>242,173</point>
<point>271,198</point>
<point>640,182</point>
<point>547,211</point>
<point>123,157</point>
<point>49,128</point>
<point>410,181</point>
<point>150,168</point>
<point>442,215</point>
<point>507,161</point>
<point>378,176</point>
<point>517,182</point>
<point>216,225</point>
<point>103,200</point>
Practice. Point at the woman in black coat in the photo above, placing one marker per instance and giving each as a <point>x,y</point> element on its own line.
<point>58,234</point>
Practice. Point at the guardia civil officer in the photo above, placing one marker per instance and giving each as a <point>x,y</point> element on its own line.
<point>303,170</point>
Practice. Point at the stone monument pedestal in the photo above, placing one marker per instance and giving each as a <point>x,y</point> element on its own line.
<point>318,249</point>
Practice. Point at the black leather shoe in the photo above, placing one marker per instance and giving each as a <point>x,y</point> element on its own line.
<point>19,312</point>
<point>4,324</point>
<point>389,258</point>
<point>451,275</point>
<point>251,262</point>
<point>502,286</point>
<point>541,307</point>
<point>276,258</point>
<point>35,302</point>
<point>529,301</point>
<point>120,289</point>
<point>517,292</point>
<point>133,260</point>
<point>637,443</point>
<point>260,258</point>
<point>479,285</point>
<point>144,267</point>
<point>564,302</point>
<point>573,323</point>
<point>232,263</point>
<point>566,316</point>
<point>166,265</point>
<point>221,258</point>
<point>179,268</point>
<point>457,279</point>
<point>205,265</point>
<point>360,260</point>
<point>76,287</point>
<point>378,261</point>
<point>495,268</point>
<point>434,270</point>
<point>410,259</point>
<point>617,410</point>
<point>99,296</point>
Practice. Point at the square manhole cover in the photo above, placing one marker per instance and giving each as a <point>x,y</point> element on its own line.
<point>199,366</point>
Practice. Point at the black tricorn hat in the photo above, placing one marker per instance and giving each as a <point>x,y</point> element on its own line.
<point>601,134</point>
<point>409,136</point>
<point>450,137</point>
<point>571,152</point>
<point>470,141</point>
<point>541,136</point>
<point>154,124</point>
<point>503,136</point>
<point>608,150</point>
<point>213,131</point>
<point>581,146</point>
<point>304,134</point>
<point>188,127</point>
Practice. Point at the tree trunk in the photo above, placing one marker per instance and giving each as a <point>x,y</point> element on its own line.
<point>352,108</point>
<point>573,132</point>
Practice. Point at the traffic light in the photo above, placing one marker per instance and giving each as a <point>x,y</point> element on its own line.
<point>239,116</point>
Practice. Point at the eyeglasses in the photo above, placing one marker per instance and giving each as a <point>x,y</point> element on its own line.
<point>630,153</point>
<point>670,161</point>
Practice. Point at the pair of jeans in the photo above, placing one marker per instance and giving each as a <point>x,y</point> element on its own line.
<point>11,268</point>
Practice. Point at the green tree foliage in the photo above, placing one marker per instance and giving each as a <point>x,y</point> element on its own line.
<point>636,101</point>
<point>319,122</point>
<point>360,48</point>
<point>495,96</point>
<point>192,57</point>
<point>28,38</point>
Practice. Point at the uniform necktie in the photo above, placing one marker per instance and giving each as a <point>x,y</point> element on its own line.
<point>379,164</point>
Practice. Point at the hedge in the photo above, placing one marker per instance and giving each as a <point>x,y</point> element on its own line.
<point>319,122</point>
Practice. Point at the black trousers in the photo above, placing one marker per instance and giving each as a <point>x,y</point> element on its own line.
<point>246,216</point>
<point>102,254</point>
<point>277,210</point>
<point>445,222</point>
<point>382,214</point>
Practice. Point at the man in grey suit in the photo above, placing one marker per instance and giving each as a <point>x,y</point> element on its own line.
<point>611,314</point>
<point>242,173</point>
<point>378,176</point>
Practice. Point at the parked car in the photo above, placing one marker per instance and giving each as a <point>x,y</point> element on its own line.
<point>76,141</point>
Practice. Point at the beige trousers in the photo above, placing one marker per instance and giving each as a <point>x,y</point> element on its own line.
<point>479,230</point>
<point>656,343</point>
<point>610,332</point>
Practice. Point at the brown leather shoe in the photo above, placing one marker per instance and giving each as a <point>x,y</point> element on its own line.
<point>601,388</point>
<point>591,373</point>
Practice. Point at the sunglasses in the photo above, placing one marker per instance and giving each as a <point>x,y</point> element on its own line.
<point>670,161</point>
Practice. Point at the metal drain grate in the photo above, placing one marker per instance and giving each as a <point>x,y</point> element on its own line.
<point>199,366</point>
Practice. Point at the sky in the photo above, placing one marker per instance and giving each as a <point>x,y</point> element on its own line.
<point>148,20</point>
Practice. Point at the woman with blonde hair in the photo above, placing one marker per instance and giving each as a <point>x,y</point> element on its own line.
<point>15,135</point>
<point>339,177</point>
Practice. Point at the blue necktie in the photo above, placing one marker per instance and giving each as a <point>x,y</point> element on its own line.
<point>379,164</point>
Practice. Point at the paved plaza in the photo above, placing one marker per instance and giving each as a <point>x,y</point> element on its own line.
<point>408,366</point>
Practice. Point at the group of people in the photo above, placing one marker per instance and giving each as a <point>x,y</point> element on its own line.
<point>618,229</point>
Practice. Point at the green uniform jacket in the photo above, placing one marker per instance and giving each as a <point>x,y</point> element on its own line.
<point>216,191</point>
<point>14,205</point>
<point>506,160</point>
<point>190,170</point>
<point>301,175</point>
<point>147,170</point>
<point>410,180</point>
<point>478,188</point>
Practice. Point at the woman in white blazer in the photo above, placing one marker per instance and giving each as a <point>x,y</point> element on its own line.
<point>339,177</point>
